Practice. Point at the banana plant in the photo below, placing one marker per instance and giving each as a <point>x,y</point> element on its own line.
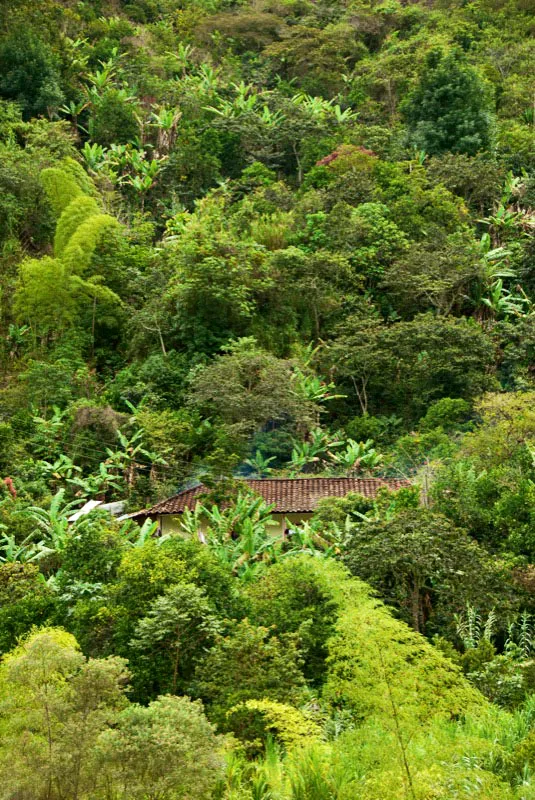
<point>79,53</point>
<point>314,452</point>
<point>271,119</point>
<point>52,523</point>
<point>494,260</point>
<point>27,551</point>
<point>504,304</point>
<point>313,387</point>
<point>97,484</point>
<point>357,457</point>
<point>191,523</point>
<point>246,96</point>
<point>246,553</point>
<point>345,115</point>
<point>260,465</point>
<point>144,174</point>
<point>244,102</point>
<point>16,337</point>
<point>420,157</point>
<point>95,156</point>
<point>183,56</point>
<point>136,536</point>
<point>229,522</point>
<point>320,108</point>
<point>165,120</point>
<point>307,538</point>
<point>489,290</point>
<point>132,455</point>
<point>316,106</point>
<point>105,75</point>
<point>61,470</point>
<point>99,81</point>
<point>226,109</point>
<point>502,222</point>
<point>505,219</point>
<point>73,110</point>
<point>208,77</point>
<point>164,117</point>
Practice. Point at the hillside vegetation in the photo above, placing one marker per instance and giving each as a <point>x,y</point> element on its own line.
<point>252,239</point>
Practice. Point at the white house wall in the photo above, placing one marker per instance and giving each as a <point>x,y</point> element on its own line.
<point>170,523</point>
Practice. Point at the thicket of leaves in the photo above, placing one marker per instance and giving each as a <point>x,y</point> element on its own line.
<point>267,240</point>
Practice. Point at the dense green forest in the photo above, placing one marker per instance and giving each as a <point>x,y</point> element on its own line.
<point>252,238</point>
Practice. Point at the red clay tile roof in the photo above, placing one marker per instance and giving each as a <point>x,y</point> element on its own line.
<point>287,494</point>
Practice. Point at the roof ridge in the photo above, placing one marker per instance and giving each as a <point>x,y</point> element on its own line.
<point>321,478</point>
<point>288,495</point>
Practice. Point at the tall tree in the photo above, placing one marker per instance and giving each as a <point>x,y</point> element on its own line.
<point>450,109</point>
<point>54,703</point>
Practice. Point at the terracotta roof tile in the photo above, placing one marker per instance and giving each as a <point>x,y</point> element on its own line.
<point>286,494</point>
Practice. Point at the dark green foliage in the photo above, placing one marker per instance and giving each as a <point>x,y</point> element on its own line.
<point>208,573</point>
<point>113,120</point>
<point>425,567</point>
<point>450,109</point>
<point>271,240</point>
<point>477,179</point>
<point>407,365</point>
<point>24,211</point>
<point>447,414</point>
<point>249,663</point>
<point>93,552</point>
<point>29,74</point>
<point>173,637</point>
<point>488,487</point>
<point>294,597</point>
<point>386,504</point>
<point>25,601</point>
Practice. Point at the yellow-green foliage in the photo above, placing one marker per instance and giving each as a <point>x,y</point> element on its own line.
<point>81,246</point>
<point>78,174</point>
<point>379,667</point>
<point>77,212</point>
<point>48,650</point>
<point>60,187</point>
<point>507,424</point>
<point>80,224</point>
<point>441,762</point>
<point>253,720</point>
<point>44,296</point>
<point>145,572</point>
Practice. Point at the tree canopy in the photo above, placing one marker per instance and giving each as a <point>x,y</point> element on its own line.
<point>281,241</point>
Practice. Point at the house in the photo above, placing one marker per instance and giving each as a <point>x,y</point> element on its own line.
<point>294,499</point>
